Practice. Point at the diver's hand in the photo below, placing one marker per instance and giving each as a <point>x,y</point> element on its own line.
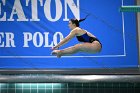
<point>54,48</point>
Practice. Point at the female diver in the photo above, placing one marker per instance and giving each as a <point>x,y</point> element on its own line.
<point>90,43</point>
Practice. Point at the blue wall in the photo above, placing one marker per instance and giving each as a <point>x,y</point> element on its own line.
<point>116,31</point>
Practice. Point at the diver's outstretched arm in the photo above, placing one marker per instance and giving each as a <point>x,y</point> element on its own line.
<point>65,40</point>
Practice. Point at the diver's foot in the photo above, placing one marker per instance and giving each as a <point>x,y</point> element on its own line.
<point>56,53</point>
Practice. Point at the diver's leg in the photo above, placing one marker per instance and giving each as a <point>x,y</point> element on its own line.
<point>84,47</point>
<point>67,51</point>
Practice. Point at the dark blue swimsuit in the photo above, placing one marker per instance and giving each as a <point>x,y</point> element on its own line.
<point>86,38</point>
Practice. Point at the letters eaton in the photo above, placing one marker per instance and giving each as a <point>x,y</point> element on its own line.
<point>17,9</point>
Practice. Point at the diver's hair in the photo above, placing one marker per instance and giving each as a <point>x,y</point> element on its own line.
<point>76,22</point>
